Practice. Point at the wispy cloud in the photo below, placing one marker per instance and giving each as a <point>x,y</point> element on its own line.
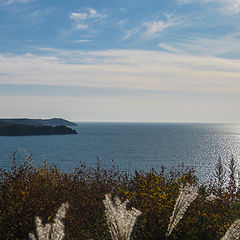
<point>226,46</point>
<point>82,41</point>
<point>129,33</point>
<point>80,26</point>
<point>156,27</point>
<point>167,47</point>
<point>94,14</point>
<point>41,12</point>
<point>232,6</point>
<point>186,1</point>
<point>224,6</point>
<point>78,16</point>
<point>121,22</point>
<point>18,1</point>
<point>152,29</point>
<point>172,80</point>
<point>125,69</point>
<point>82,18</point>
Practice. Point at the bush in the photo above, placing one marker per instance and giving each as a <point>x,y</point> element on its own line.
<point>27,191</point>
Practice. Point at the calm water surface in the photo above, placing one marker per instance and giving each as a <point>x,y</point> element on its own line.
<point>139,146</point>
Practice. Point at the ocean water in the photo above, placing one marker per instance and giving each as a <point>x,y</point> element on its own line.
<point>140,146</point>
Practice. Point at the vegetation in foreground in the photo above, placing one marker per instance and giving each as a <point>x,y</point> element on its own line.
<point>27,191</point>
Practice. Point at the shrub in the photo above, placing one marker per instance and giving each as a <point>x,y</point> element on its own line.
<point>27,191</point>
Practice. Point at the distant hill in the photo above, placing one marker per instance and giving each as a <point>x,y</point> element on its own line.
<point>24,130</point>
<point>26,126</point>
<point>35,122</point>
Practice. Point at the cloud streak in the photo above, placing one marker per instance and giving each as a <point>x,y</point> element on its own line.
<point>124,69</point>
<point>226,46</point>
<point>152,29</point>
<point>82,18</point>
<point>232,5</point>
<point>155,27</point>
<point>9,2</point>
<point>224,6</point>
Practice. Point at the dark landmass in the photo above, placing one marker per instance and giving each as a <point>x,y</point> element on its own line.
<point>26,130</point>
<point>35,122</point>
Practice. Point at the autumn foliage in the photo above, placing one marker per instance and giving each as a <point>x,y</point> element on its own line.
<point>27,191</point>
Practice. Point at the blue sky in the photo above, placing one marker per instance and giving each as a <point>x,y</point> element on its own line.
<point>111,60</point>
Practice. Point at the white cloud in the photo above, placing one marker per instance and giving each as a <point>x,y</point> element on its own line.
<point>80,26</point>
<point>122,22</point>
<point>82,41</point>
<point>155,27</point>
<point>36,13</point>
<point>82,18</point>
<point>227,46</point>
<point>227,6</point>
<point>18,1</point>
<point>78,16</point>
<point>168,47</point>
<point>186,1</point>
<point>224,6</point>
<point>39,12</point>
<point>126,69</point>
<point>92,12</point>
<point>152,29</point>
<point>130,33</point>
<point>88,14</point>
<point>232,5</point>
<point>183,86</point>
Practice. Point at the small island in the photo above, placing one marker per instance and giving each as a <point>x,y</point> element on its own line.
<point>27,127</point>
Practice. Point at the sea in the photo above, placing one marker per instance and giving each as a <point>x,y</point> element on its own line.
<point>131,146</point>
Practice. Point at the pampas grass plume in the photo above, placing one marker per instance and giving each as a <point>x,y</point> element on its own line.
<point>53,231</point>
<point>186,196</point>
<point>120,220</point>
<point>211,198</point>
<point>233,232</point>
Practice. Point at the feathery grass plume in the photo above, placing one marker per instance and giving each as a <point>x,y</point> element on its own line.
<point>120,220</point>
<point>53,231</point>
<point>42,231</point>
<point>186,196</point>
<point>211,198</point>
<point>233,232</point>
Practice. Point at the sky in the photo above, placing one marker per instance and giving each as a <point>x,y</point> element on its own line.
<point>120,61</point>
